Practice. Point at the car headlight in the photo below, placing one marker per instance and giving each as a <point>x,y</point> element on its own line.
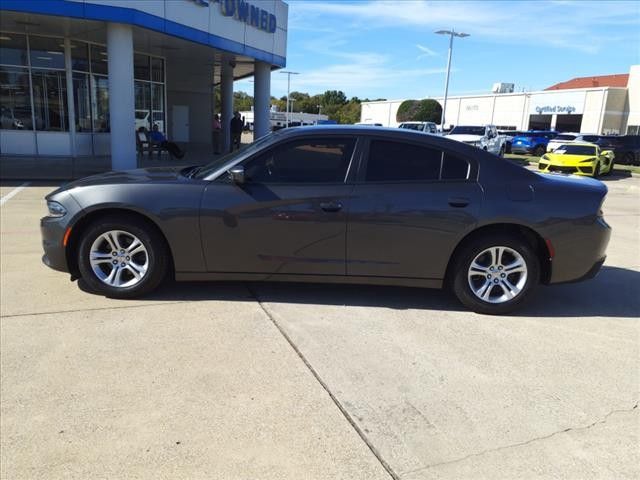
<point>588,160</point>
<point>545,158</point>
<point>56,209</point>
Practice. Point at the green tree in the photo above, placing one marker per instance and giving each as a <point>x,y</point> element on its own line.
<point>242,101</point>
<point>333,97</point>
<point>427,110</point>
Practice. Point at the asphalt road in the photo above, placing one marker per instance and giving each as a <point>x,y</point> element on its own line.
<point>283,381</point>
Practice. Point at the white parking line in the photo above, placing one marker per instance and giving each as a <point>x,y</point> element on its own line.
<point>13,193</point>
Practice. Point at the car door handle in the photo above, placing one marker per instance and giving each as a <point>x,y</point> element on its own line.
<point>331,206</point>
<point>459,202</point>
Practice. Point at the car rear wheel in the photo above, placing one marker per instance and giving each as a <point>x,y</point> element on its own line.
<point>121,258</point>
<point>540,150</point>
<point>495,274</point>
<point>610,169</point>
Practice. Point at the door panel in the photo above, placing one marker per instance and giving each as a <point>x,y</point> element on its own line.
<point>408,230</point>
<point>180,132</point>
<point>259,228</point>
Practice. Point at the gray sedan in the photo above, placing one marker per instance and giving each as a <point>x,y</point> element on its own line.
<point>334,204</point>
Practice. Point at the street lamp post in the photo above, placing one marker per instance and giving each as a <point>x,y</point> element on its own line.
<point>452,33</point>
<point>289,73</point>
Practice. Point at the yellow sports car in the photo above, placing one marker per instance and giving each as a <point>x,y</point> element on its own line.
<point>579,159</point>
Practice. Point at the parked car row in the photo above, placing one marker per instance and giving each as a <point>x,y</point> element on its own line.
<point>625,148</point>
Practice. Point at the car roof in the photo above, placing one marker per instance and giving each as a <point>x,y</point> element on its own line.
<point>400,134</point>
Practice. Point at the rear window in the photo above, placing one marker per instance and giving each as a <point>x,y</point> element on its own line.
<point>565,137</point>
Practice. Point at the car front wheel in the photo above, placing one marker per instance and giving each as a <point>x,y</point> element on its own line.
<point>120,258</point>
<point>496,274</point>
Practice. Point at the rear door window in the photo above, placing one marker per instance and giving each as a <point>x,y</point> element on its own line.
<point>454,168</point>
<point>402,162</point>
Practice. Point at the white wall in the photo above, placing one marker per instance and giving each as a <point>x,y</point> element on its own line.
<point>211,20</point>
<point>633,105</point>
<point>191,87</point>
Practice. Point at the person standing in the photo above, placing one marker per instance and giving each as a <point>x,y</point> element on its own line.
<point>216,132</point>
<point>237,125</point>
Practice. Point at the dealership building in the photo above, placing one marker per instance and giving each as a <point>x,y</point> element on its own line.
<point>608,104</point>
<point>79,77</point>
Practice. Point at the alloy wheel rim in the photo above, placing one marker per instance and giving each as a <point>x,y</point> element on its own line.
<point>119,259</point>
<point>497,275</point>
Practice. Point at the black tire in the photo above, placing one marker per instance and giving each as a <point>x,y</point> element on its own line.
<point>502,149</point>
<point>610,170</point>
<point>156,254</point>
<point>540,150</point>
<point>596,170</point>
<point>459,276</point>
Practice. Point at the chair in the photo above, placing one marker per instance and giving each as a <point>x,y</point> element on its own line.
<point>143,144</point>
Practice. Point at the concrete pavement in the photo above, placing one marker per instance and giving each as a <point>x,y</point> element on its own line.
<point>308,381</point>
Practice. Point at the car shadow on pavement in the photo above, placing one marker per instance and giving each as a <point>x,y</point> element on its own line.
<point>615,175</point>
<point>615,292</point>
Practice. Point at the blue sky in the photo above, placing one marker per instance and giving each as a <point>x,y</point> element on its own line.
<point>388,49</point>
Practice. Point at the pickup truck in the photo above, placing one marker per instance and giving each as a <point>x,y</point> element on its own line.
<point>485,137</point>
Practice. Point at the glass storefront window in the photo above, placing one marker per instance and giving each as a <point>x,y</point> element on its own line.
<point>141,69</point>
<point>99,62</point>
<point>15,100</point>
<point>47,110</point>
<point>50,100</point>
<point>143,105</point>
<point>100,103</point>
<point>80,56</point>
<point>157,105</point>
<point>13,49</point>
<point>82,102</point>
<point>157,69</point>
<point>46,52</point>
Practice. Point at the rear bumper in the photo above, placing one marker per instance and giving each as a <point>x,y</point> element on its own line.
<point>580,252</point>
<point>521,148</point>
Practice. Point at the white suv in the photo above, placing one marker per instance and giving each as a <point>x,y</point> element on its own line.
<point>426,127</point>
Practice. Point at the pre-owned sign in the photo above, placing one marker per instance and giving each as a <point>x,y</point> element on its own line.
<point>252,15</point>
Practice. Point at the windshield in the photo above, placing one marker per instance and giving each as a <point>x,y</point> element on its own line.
<point>575,150</point>
<point>411,126</point>
<point>467,131</point>
<point>218,163</point>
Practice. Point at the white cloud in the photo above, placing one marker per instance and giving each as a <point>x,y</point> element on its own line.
<point>426,52</point>
<point>575,26</point>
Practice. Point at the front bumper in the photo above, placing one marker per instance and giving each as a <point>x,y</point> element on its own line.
<point>52,231</point>
<point>574,169</point>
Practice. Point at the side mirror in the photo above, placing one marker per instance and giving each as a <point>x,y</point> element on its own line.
<point>237,174</point>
